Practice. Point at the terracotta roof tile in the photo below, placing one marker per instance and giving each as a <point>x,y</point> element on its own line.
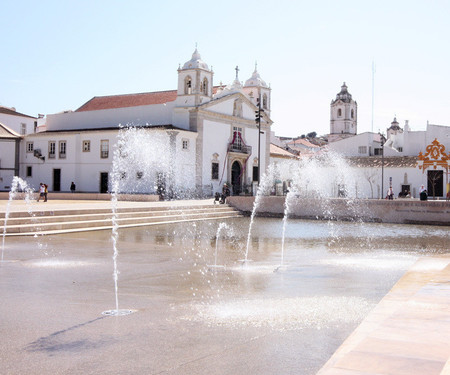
<point>128,100</point>
<point>389,161</point>
<point>277,151</point>
<point>303,142</point>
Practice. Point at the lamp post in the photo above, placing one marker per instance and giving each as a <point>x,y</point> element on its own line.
<point>258,114</point>
<point>382,163</point>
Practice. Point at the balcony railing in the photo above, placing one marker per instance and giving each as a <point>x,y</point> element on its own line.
<point>237,148</point>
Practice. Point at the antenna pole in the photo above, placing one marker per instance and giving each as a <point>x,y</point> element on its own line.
<point>373,88</point>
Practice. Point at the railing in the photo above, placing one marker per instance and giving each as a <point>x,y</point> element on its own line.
<point>242,149</point>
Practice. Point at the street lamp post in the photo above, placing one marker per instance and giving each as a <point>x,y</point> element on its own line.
<point>382,164</point>
<point>258,114</point>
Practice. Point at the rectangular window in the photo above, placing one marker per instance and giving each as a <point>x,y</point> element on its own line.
<point>362,149</point>
<point>23,129</point>
<point>104,149</point>
<point>185,144</point>
<point>377,151</point>
<point>51,149</point>
<point>214,171</point>
<point>29,171</point>
<point>400,149</point>
<point>255,173</point>
<point>30,147</point>
<point>86,146</point>
<point>62,149</point>
<point>237,138</point>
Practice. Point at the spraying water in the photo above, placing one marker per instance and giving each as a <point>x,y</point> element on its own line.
<point>17,183</point>
<point>221,227</point>
<point>145,161</point>
<point>317,181</point>
<point>263,189</point>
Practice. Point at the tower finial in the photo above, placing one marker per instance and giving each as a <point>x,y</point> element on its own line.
<point>237,71</point>
<point>256,66</point>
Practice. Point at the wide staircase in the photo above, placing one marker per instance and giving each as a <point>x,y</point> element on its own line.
<point>46,222</point>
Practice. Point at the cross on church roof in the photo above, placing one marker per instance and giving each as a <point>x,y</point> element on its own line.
<point>237,71</point>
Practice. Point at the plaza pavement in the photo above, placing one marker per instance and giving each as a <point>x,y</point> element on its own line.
<point>408,333</point>
<point>67,204</point>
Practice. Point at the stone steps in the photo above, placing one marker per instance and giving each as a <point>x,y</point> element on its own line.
<point>77,220</point>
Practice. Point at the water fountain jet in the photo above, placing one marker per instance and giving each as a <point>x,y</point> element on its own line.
<point>17,183</point>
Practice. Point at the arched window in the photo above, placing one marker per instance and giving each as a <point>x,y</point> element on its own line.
<point>353,113</point>
<point>339,112</point>
<point>265,101</point>
<point>188,85</point>
<point>205,86</point>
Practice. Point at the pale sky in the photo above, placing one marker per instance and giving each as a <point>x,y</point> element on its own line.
<point>57,55</point>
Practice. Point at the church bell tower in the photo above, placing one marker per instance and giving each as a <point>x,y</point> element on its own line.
<point>195,82</point>
<point>343,116</point>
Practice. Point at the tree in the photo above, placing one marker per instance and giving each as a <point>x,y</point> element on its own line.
<point>311,135</point>
<point>435,178</point>
<point>371,175</point>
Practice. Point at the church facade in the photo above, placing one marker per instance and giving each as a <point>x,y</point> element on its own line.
<point>198,136</point>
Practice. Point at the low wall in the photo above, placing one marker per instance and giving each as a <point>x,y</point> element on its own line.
<point>88,197</point>
<point>400,211</point>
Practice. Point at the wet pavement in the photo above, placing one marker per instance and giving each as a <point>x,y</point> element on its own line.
<point>191,317</point>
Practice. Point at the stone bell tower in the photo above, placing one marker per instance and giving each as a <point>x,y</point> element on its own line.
<point>343,116</point>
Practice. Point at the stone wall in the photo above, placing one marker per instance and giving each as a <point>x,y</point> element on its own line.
<point>401,211</point>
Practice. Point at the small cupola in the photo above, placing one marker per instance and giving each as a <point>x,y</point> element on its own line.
<point>344,95</point>
<point>256,88</point>
<point>255,80</point>
<point>195,62</point>
<point>395,127</point>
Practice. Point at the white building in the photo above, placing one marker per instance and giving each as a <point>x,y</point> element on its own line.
<point>9,156</point>
<point>13,127</point>
<point>18,122</point>
<point>399,165</point>
<point>211,134</point>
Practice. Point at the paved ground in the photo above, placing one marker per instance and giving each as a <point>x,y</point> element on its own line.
<point>21,205</point>
<point>407,333</point>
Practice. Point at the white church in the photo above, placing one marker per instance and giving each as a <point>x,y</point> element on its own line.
<point>211,138</point>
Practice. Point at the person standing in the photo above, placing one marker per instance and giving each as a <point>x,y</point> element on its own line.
<point>423,193</point>
<point>41,191</point>
<point>72,187</point>
<point>390,193</point>
<point>45,192</point>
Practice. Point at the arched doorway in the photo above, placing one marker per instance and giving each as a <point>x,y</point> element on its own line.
<point>236,177</point>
